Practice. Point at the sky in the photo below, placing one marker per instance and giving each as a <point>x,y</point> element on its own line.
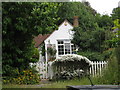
<point>103,6</point>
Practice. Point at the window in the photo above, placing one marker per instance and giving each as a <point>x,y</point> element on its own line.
<point>65,47</point>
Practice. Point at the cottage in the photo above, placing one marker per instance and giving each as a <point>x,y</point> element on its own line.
<point>58,43</point>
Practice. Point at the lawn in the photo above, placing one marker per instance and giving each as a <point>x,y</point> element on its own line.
<point>52,84</point>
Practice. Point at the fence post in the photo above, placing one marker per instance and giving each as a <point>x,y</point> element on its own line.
<point>97,67</point>
<point>93,68</point>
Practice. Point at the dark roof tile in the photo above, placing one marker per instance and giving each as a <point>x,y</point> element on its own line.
<point>40,39</point>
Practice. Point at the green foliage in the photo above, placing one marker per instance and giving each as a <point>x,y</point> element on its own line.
<point>114,41</point>
<point>17,51</point>
<point>45,16</point>
<point>111,74</point>
<point>35,56</point>
<point>21,22</point>
<point>24,77</point>
<point>93,56</point>
<point>70,9</point>
<point>116,13</point>
<point>52,84</point>
<point>104,21</point>
<point>97,56</point>
<point>117,23</point>
<point>89,40</point>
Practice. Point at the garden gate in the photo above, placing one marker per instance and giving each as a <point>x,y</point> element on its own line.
<point>41,67</point>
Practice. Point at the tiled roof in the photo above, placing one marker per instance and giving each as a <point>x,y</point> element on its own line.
<point>40,39</point>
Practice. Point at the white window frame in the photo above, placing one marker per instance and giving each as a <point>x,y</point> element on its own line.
<point>64,42</point>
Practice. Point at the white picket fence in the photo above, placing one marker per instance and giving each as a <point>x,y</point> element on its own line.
<point>97,67</point>
<point>45,70</point>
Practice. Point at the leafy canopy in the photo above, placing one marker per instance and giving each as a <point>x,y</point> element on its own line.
<point>21,22</point>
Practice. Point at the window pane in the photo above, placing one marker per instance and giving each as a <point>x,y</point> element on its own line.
<point>60,42</point>
<point>60,50</point>
<point>67,41</point>
<point>67,48</point>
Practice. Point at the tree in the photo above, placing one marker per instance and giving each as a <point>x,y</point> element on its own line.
<point>89,40</point>
<point>68,10</point>
<point>45,16</point>
<point>21,22</point>
<point>16,25</point>
<point>116,13</point>
<point>104,21</point>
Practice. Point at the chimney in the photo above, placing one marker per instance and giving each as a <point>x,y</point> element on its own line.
<point>75,21</point>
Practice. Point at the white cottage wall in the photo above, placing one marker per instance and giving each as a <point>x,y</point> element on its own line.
<point>64,32</point>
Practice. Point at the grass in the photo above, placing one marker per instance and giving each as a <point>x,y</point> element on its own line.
<point>20,86</point>
<point>0,85</point>
<point>63,84</point>
<point>53,84</point>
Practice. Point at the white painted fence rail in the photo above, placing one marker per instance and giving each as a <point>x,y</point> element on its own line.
<point>46,72</point>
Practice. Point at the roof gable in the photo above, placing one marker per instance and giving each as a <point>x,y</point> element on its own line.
<point>65,22</point>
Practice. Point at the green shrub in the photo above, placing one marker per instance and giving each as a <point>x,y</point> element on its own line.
<point>111,74</point>
<point>97,56</point>
<point>10,71</point>
<point>107,54</point>
<point>25,77</point>
<point>93,56</point>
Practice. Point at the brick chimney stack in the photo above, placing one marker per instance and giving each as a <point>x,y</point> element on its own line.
<point>75,21</point>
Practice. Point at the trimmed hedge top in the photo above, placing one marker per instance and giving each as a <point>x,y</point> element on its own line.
<point>72,58</point>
